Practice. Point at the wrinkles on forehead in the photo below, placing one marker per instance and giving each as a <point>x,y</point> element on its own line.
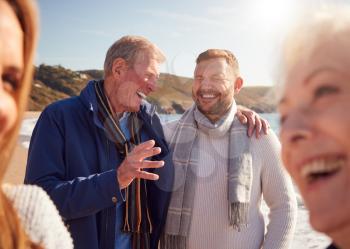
<point>147,66</point>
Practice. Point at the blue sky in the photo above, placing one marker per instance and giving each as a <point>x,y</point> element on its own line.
<point>77,33</point>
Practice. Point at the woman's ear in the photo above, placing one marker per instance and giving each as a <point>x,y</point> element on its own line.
<point>119,67</point>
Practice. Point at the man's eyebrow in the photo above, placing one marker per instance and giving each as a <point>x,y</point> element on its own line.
<point>218,75</point>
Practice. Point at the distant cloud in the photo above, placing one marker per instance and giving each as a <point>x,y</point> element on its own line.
<point>100,33</point>
<point>187,18</point>
<point>234,19</point>
<point>218,11</point>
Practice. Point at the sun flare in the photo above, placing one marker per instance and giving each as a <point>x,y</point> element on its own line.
<point>274,14</point>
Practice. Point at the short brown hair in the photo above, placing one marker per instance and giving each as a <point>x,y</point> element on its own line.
<point>219,53</point>
<point>128,48</point>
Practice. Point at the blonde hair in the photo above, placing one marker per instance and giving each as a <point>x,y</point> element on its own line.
<point>220,53</point>
<point>329,23</point>
<point>12,234</point>
<point>128,48</point>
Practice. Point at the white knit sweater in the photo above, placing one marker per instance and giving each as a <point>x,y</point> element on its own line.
<point>39,216</point>
<point>210,224</point>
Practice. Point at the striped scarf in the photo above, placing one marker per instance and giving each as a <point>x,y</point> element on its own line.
<point>185,160</point>
<point>137,219</point>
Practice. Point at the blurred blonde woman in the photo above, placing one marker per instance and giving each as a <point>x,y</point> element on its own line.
<point>315,120</point>
<point>28,218</point>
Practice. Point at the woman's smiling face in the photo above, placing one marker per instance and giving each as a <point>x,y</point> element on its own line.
<point>11,66</point>
<point>315,132</point>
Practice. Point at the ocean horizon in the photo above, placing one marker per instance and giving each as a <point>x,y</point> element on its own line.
<point>28,124</point>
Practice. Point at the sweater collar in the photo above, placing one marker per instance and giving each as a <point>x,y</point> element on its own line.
<point>219,128</point>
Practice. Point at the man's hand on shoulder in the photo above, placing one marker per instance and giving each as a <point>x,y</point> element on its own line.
<point>253,120</point>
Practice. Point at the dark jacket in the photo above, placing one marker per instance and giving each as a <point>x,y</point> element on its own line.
<point>332,246</point>
<point>73,160</point>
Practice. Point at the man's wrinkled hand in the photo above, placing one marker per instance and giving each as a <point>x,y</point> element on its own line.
<point>134,162</point>
<point>253,120</point>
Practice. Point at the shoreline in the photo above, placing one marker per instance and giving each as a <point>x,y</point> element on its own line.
<point>16,170</point>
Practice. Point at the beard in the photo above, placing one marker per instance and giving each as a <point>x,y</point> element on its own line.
<point>219,108</point>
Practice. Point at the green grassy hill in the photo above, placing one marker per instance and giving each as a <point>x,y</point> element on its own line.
<point>173,95</point>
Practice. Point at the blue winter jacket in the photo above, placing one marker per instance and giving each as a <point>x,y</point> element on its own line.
<point>73,160</point>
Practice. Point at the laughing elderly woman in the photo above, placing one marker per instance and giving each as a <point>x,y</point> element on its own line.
<point>315,124</point>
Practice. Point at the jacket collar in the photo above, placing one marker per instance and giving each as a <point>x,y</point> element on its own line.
<point>88,97</point>
<point>146,114</point>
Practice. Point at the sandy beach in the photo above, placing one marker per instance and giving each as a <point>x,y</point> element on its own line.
<point>305,236</point>
<point>16,171</point>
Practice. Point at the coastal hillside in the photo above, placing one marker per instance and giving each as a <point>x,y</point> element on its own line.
<point>52,83</point>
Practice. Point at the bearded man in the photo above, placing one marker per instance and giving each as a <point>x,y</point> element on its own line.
<point>221,174</point>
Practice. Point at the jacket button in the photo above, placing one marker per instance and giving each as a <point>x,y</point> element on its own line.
<point>114,199</point>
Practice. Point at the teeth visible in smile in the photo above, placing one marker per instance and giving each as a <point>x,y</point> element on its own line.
<point>321,167</point>
<point>208,96</point>
<point>141,95</point>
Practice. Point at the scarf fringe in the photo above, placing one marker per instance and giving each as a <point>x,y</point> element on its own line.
<point>173,242</point>
<point>137,220</point>
<point>238,215</point>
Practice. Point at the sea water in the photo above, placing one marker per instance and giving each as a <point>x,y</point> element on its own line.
<point>28,124</point>
<point>272,118</point>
